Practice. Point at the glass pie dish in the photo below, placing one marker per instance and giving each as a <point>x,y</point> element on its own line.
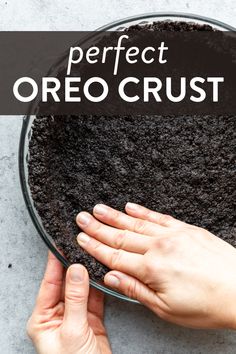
<point>28,122</point>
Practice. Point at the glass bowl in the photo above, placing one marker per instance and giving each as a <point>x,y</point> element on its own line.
<point>28,121</point>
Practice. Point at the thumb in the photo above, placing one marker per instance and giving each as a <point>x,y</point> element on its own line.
<point>76,297</point>
<point>131,287</point>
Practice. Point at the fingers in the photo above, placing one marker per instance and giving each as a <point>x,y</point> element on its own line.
<point>135,289</point>
<point>131,287</point>
<point>121,220</point>
<point>76,298</point>
<point>113,237</point>
<point>130,263</point>
<point>96,302</point>
<point>52,284</point>
<point>141,212</point>
<point>96,311</point>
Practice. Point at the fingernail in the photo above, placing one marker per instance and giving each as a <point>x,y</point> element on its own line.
<point>76,272</point>
<point>83,218</point>
<point>83,238</point>
<point>113,281</point>
<point>100,209</point>
<point>132,206</point>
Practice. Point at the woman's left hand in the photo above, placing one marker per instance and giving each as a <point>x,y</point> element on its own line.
<point>68,318</point>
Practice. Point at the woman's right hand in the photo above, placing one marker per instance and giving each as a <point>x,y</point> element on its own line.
<point>183,273</point>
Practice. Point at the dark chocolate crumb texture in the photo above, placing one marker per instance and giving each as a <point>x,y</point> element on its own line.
<point>184,166</point>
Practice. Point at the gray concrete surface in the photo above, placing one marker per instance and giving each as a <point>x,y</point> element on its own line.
<point>132,329</point>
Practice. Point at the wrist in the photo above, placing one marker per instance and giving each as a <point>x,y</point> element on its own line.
<point>230,314</point>
<point>233,314</point>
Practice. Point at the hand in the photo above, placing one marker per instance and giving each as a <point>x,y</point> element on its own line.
<point>183,273</point>
<point>67,321</point>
